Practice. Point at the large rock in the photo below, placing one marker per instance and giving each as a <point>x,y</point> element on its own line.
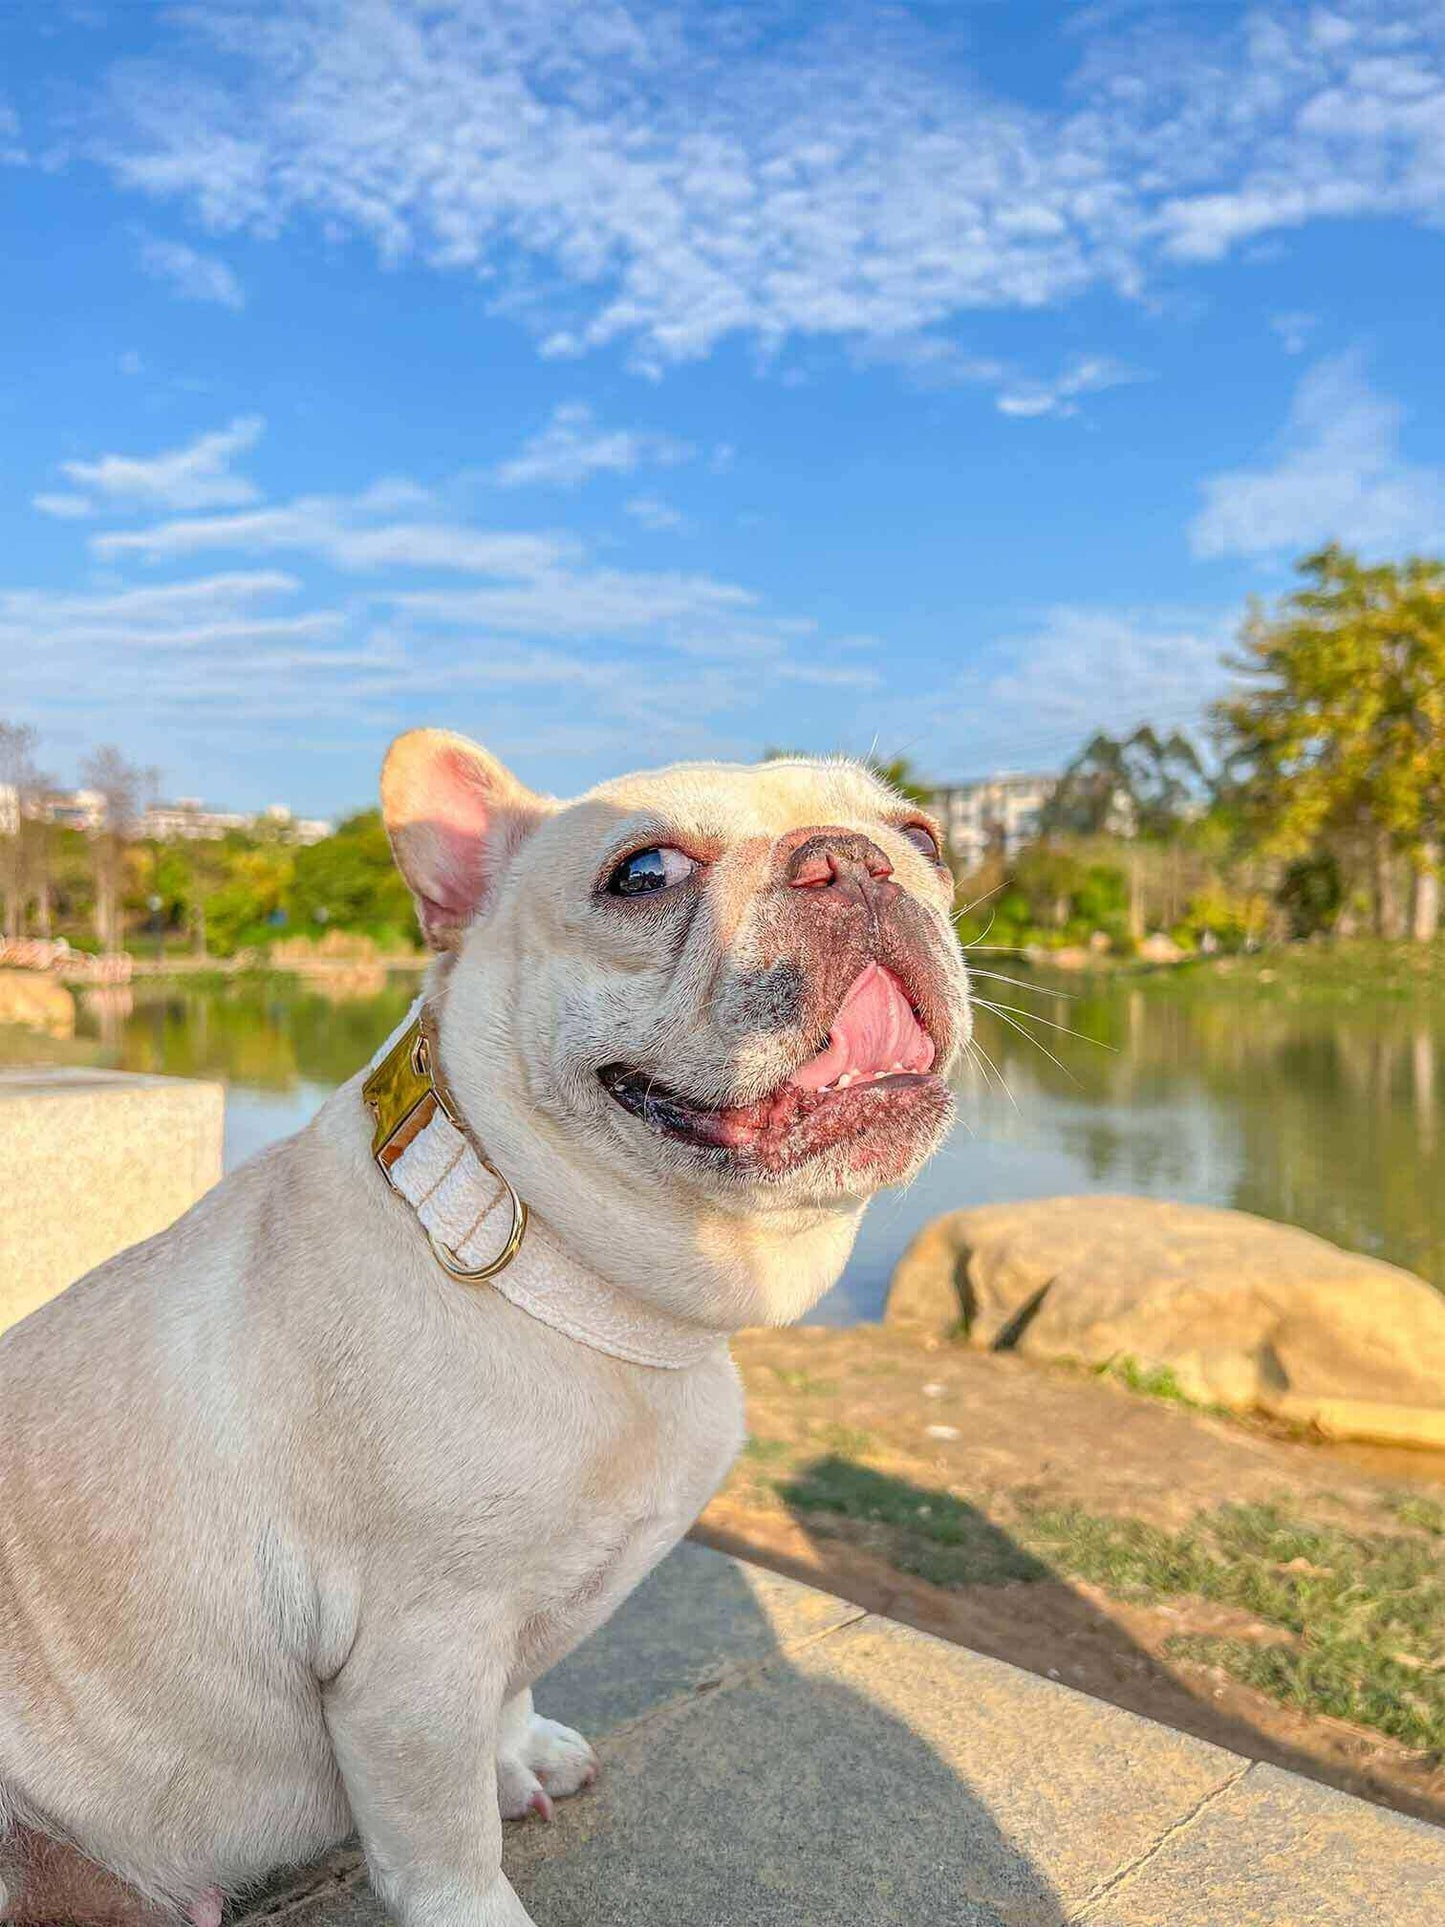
<point>1245,1313</point>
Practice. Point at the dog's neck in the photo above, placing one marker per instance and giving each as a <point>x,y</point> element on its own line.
<point>463,1207</point>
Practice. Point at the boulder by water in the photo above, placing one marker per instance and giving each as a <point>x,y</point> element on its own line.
<point>1245,1313</point>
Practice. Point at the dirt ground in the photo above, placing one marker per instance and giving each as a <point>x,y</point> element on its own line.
<point>998,1432</point>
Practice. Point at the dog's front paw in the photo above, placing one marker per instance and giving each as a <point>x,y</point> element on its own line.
<point>551,1762</point>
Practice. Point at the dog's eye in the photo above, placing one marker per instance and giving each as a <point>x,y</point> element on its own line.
<point>923,840</point>
<point>648,870</point>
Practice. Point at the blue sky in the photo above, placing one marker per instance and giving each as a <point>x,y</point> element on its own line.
<point>624,383</point>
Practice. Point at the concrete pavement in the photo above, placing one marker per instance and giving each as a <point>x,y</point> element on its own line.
<point>773,1757</point>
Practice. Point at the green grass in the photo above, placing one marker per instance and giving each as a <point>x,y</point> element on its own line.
<point>794,1379</point>
<point>1420,1510</point>
<point>1346,969</point>
<point>1150,1381</point>
<point>927,1532</point>
<point>1359,1618</point>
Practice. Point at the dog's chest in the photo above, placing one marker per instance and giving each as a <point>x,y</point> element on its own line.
<point>617,1509</point>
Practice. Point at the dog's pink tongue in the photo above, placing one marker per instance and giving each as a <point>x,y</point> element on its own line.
<point>875,1030</point>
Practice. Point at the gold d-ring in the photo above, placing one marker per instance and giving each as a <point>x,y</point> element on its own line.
<point>424,1058</point>
<point>402,1094</point>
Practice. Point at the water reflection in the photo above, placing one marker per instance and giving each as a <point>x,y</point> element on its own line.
<point>1325,1116</point>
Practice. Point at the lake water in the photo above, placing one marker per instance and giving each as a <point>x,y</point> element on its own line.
<point>1326,1116</point>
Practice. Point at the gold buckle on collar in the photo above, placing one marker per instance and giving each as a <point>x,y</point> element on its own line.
<point>403,1094</point>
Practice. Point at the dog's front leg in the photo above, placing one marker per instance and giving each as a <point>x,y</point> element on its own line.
<point>415,1718</point>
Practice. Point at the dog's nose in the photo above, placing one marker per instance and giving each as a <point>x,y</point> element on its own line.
<point>834,860</point>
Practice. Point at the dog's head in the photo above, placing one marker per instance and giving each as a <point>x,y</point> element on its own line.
<point>698,1015</point>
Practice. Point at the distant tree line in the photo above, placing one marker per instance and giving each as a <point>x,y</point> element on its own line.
<point>1318,804</point>
<point>111,887</point>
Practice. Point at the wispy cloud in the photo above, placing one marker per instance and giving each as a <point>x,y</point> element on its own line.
<point>686,178</point>
<point>936,361</point>
<point>196,476</point>
<point>63,504</point>
<point>653,514</point>
<point>209,613</point>
<point>1294,330</point>
<point>1337,474</point>
<point>1032,698</point>
<point>190,274</point>
<point>12,148</point>
<point>574,446</point>
<point>345,532</point>
<point>385,611</point>
<point>1060,395</point>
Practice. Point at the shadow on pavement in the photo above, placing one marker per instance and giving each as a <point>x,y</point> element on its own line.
<point>743,1785</point>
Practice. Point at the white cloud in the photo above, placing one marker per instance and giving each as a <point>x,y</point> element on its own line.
<point>1338,474</point>
<point>692,612</point>
<point>528,584</point>
<point>65,506</point>
<point>197,476</point>
<point>191,275</point>
<point>342,531</point>
<point>935,361</point>
<point>823,675</point>
<point>1034,698</point>
<point>1084,375</point>
<point>59,630</point>
<point>653,514</point>
<point>573,447</point>
<point>390,613</point>
<point>683,175</point>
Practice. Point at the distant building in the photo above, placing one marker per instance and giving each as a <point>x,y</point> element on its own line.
<point>73,809</point>
<point>292,829</point>
<point>187,820</point>
<point>999,813</point>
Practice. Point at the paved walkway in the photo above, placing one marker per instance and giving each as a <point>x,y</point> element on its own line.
<point>773,1757</point>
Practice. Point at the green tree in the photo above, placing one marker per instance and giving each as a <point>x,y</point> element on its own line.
<point>247,907</point>
<point>1337,741</point>
<point>349,881</point>
<point>1141,785</point>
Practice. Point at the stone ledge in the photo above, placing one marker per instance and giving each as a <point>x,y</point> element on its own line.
<point>775,1758</point>
<point>93,1161</point>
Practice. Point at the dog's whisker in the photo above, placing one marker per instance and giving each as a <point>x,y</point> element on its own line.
<point>982,1054</point>
<point>1034,1018</point>
<point>983,899</point>
<point>1019,983</point>
<point>1003,1017</point>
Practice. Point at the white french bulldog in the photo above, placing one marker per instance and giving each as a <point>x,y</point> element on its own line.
<point>298,1498</point>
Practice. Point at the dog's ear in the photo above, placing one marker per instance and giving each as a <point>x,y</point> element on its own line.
<point>455,815</point>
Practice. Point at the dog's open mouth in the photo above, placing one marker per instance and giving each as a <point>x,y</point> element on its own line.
<point>875,1067</point>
